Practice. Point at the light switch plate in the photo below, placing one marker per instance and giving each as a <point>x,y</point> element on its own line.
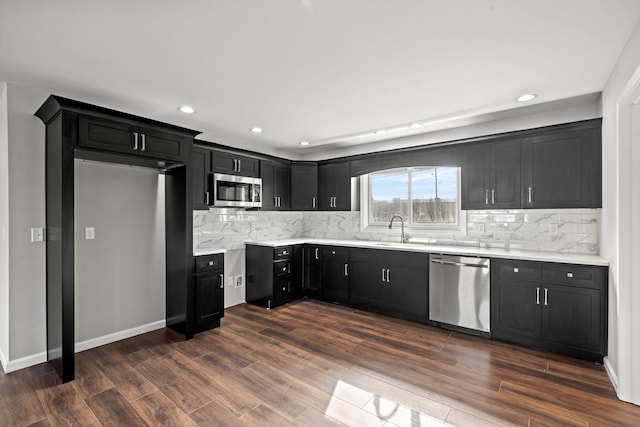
<point>89,233</point>
<point>37,234</point>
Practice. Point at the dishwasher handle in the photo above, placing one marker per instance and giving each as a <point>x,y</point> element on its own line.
<point>459,264</point>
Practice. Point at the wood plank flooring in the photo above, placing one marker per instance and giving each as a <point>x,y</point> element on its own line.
<point>314,364</point>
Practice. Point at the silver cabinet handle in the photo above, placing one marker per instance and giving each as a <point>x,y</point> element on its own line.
<point>235,165</point>
<point>537,296</point>
<point>546,296</point>
<point>144,143</point>
<point>388,275</point>
<point>239,165</point>
<point>493,197</point>
<point>516,270</point>
<point>530,194</point>
<point>570,275</point>
<point>275,201</point>
<point>135,140</point>
<point>346,269</point>
<point>222,281</point>
<point>486,197</point>
<point>384,279</point>
<point>210,263</point>
<point>316,253</point>
<point>206,197</point>
<point>313,202</point>
<point>285,253</point>
<point>335,201</point>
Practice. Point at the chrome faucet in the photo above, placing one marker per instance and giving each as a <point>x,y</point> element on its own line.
<point>403,237</point>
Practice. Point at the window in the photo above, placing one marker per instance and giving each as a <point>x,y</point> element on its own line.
<point>425,196</point>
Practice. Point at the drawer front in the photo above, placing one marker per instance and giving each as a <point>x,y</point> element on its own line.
<point>283,252</point>
<point>576,275</point>
<point>209,262</point>
<point>282,267</point>
<point>517,270</point>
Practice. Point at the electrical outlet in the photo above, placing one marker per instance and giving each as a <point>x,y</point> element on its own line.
<point>239,281</point>
<point>89,233</point>
<point>37,234</point>
<point>553,229</point>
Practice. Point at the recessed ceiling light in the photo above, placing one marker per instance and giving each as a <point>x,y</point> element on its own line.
<point>256,129</point>
<point>304,143</point>
<point>186,109</point>
<point>415,125</point>
<point>380,132</point>
<point>526,97</point>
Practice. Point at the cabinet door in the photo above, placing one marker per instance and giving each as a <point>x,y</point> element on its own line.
<point>515,309</point>
<point>209,296</point>
<point>475,177</point>
<point>313,270</point>
<point>504,183</point>
<point>368,285</point>
<point>408,276</point>
<point>268,175</point>
<point>335,274</point>
<point>304,186</point>
<point>342,201</point>
<point>571,317</point>
<point>106,135</point>
<point>233,164</point>
<point>201,167</point>
<point>160,145</point>
<point>281,186</point>
<point>556,171</point>
<point>326,177</point>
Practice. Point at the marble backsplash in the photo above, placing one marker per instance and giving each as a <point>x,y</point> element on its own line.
<point>555,230</point>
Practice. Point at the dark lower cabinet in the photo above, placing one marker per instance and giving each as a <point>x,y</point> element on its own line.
<point>392,282</point>
<point>312,271</point>
<point>208,294</point>
<point>335,274</point>
<point>271,279</point>
<point>556,307</point>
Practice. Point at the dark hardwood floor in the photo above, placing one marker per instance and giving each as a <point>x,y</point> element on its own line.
<point>314,364</point>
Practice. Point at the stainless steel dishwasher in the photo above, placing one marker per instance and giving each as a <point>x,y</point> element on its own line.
<point>459,292</point>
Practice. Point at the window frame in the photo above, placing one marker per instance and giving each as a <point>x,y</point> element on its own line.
<point>459,228</point>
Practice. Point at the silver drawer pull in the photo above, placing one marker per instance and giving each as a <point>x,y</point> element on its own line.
<point>516,270</point>
<point>222,281</point>
<point>210,263</point>
<point>570,275</point>
<point>537,296</point>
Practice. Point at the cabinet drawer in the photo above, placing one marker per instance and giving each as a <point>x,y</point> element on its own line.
<point>282,267</point>
<point>283,252</point>
<point>518,270</point>
<point>577,275</point>
<point>209,263</point>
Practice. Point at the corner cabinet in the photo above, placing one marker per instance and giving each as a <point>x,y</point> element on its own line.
<point>207,305</point>
<point>560,308</point>
<point>304,186</point>
<point>563,169</point>
<point>79,130</point>
<point>335,186</point>
<point>275,185</point>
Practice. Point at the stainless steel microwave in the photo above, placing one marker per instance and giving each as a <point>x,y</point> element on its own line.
<point>236,191</point>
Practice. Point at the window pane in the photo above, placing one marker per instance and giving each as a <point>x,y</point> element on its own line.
<point>389,195</point>
<point>434,195</point>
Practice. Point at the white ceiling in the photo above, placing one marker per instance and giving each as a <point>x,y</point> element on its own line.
<point>325,71</point>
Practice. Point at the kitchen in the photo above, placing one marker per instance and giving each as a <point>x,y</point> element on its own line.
<point>23,321</point>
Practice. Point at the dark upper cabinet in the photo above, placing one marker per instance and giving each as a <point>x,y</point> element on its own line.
<point>201,168</point>
<point>112,136</point>
<point>275,185</point>
<point>235,164</point>
<point>393,282</point>
<point>491,175</point>
<point>555,307</point>
<point>335,186</point>
<point>304,186</point>
<point>562,169</point>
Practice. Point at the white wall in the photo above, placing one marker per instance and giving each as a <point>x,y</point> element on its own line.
<point>624,335</point>
<point>4,222</point>
<point>119,275</point>
<point>27,309</point>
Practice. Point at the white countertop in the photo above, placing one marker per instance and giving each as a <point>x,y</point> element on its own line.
<point>201,252</point>
<point>566,258</point>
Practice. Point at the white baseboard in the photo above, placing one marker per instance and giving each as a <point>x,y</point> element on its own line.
<point>25,362</point>
<point>611,372</point>
<point>117,336</point>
